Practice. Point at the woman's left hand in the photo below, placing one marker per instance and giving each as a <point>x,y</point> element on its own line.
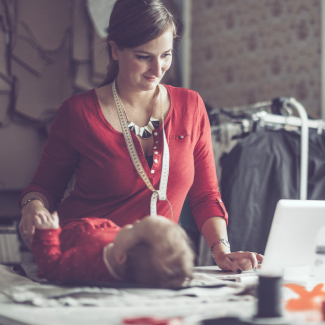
<point>238,261</point>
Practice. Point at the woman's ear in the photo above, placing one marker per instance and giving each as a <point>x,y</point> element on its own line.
<point>114,48</point>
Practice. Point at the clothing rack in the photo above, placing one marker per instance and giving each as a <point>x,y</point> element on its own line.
<point>304,136</point>
<point>284,105</point>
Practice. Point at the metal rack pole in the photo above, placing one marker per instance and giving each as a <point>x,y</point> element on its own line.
<point>304,147</point>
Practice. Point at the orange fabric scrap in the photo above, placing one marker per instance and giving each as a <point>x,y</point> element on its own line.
<point>307,300</point>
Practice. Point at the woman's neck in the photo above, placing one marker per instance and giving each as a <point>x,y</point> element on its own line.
<point>135,99</point>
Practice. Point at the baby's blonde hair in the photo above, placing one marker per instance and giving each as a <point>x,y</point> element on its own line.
<point>168,262</point>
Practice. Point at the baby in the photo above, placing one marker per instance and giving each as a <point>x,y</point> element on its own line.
<point>153,251</point>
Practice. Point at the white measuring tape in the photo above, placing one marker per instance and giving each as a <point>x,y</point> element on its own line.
<point>162,192</point>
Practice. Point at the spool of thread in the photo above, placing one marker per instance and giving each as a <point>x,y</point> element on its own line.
<point>269,296</point>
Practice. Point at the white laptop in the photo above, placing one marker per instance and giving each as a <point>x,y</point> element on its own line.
<point>290,246</point>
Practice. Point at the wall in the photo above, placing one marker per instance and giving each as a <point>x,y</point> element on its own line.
<point>49,51</point>
<point>244,51</point>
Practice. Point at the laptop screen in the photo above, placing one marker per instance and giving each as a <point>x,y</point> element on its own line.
<point>291,242</point>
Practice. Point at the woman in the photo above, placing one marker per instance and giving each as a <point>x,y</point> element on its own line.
<point>118,172</point>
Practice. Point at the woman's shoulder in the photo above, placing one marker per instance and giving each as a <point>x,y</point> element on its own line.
<point>186,98</point>
<point>77,108</point>
<point>80,99</point>
<point>183,92</point>
<point>79,105</point>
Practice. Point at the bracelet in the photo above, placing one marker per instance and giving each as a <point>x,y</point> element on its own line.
<point>223,241</point>
<point>30,200</point>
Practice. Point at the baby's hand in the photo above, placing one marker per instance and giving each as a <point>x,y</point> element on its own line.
<point>50,221</point>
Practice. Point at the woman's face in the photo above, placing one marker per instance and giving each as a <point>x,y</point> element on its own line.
<point>142,67</point>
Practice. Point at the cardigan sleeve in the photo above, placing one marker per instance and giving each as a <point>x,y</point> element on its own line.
<point>204,196</point>
<point>58,161</point>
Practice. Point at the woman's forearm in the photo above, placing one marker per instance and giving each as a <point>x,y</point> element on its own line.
<point>213,229</point>
<point>29,211</point>
<point>36,194</point>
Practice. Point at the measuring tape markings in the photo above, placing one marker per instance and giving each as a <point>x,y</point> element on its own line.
<point>129,142</point>
<point>162,192</point>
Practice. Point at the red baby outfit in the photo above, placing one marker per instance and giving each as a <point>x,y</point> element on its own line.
<point>107,184</point>
<point>75,252</point>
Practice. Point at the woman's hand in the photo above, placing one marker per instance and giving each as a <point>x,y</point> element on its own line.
<point>214,229</point>
<point>238,261</point>
<point>30,212</point>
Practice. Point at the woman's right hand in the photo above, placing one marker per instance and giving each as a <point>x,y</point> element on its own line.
<point>29,212</point>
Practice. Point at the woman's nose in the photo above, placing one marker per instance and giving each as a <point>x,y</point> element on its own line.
<point>156,68</point>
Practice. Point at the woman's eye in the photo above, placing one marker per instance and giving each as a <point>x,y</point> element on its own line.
<point>166,55</point>
<point>143,57</point>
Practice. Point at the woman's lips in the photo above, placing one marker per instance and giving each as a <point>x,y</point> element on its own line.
<point>150,78</point>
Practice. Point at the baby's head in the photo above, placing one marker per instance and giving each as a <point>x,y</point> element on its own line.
<point>154,252</point>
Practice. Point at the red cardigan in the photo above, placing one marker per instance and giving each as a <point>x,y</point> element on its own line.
<point>76,253</point>
<point>107,184</point>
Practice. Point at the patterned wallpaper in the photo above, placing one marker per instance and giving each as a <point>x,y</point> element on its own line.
<point>244,51</point>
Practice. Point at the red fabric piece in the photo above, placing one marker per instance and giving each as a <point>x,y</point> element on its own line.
<point>75,252</point>
<point>107,184</point>
<point>152,321</point>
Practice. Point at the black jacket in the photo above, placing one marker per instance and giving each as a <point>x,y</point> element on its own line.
<point>260,170</point>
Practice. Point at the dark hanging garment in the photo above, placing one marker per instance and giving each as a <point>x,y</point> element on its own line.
<point>260,170</point>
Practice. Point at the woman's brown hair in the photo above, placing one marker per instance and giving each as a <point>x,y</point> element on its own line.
<point>133,23</point>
